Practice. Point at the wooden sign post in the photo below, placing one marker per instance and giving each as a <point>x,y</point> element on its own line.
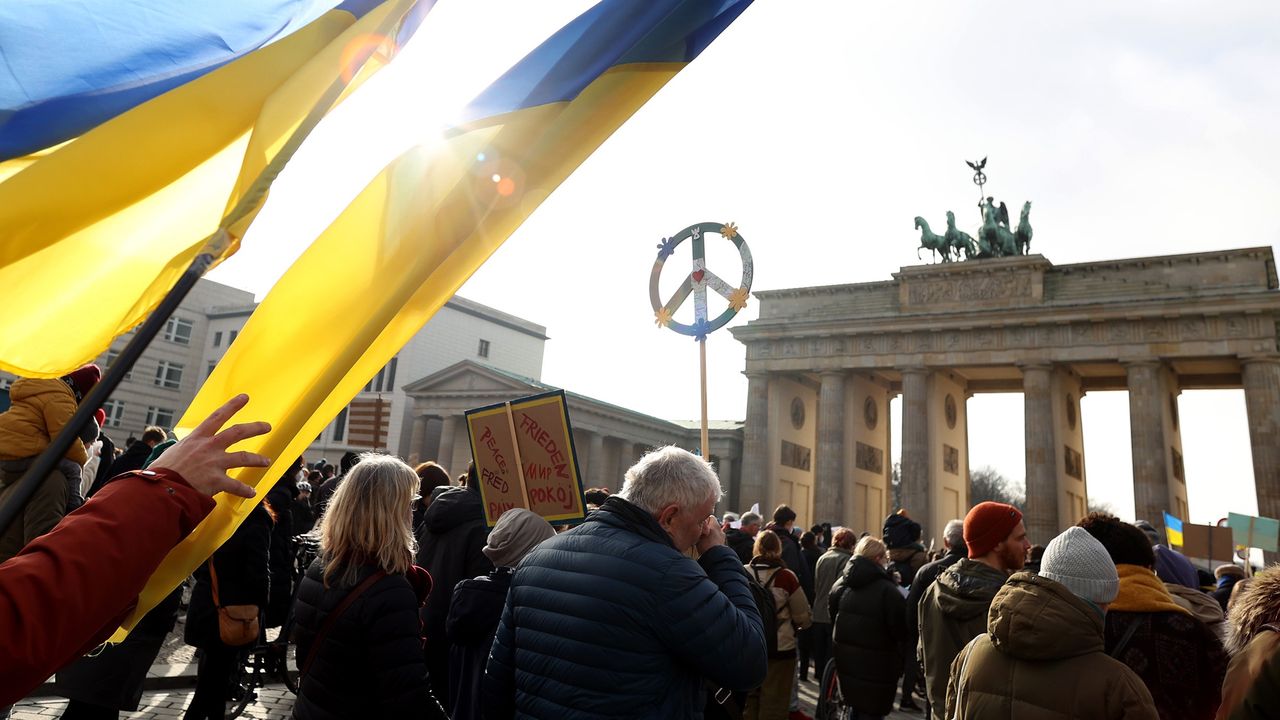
<point>525,457</point>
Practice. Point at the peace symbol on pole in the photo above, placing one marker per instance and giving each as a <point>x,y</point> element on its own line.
<point>699,280</point>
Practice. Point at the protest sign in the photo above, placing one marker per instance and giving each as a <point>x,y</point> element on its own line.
<point>1254,532</point>
<point>525,457</point>
<point>1207,542</point>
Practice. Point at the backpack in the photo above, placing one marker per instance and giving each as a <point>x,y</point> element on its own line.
<point>768,607</point>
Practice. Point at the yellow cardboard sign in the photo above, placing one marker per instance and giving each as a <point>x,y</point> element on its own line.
<point>525,457</point>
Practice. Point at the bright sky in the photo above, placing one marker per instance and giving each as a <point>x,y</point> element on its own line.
<point>822,127</point>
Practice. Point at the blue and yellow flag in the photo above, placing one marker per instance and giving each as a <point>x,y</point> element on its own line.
<point>111,219</point>
<point>424,225</point>
<point>69,67</point>
<point>1173,529</point>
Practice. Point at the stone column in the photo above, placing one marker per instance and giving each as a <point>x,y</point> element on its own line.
<point>727,485</point>
<point>1146,433</point>
<point>1041,516</point>
<point>449,429</point>
<point>1262,403</point>
<point>755,446</point>
<point>595,461</point>
<point>915,444</point>
<point>416,436</point>
<point>828,495</point>
<point>626,458</point>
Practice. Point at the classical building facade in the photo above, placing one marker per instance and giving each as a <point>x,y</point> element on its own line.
<point>823,362</point>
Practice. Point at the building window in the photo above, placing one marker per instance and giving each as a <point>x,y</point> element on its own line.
<point>217,338</point>
<point>111,361</point>
<point>115,412</point>
<point>384,380</point>
<point>162,417</point>
<point>340,425</point>
<point>169,375</point>
<point>391,374</point>
<point>212,365</point>
<point>484,349</point>
<point>232,338</point>
<point>178,330</point>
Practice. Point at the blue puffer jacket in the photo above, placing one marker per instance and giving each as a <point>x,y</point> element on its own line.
<point>610,620</point>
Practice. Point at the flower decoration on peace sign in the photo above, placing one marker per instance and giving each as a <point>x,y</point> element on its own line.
<point>699,280</point>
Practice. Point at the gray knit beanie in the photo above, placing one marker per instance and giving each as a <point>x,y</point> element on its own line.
<point>515,534</point>
<point>1076,559</point>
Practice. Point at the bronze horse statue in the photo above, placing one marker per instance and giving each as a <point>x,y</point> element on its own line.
<point>995,235</point>
<point>1022,236</point>
<point>931,241</point>
<point>959,239</point>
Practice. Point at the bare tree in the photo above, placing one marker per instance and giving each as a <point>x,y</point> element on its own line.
<point>986,483</point>
<point>895,487</point>
<point>1101,506</point>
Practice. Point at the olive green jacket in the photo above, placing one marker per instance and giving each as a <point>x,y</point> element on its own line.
<point>1042,658</point>
<point>952,612</point>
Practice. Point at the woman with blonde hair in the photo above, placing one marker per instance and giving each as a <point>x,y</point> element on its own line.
<point>870,617</point>
<point>770,700</point>
<point>358,634</point>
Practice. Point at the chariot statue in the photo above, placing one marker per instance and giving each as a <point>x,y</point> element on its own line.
<point>995,237</point>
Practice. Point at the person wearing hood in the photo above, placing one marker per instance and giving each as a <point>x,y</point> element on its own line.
<point>39,409</point>
<point>1226,577</point>
<point>477,607</point>
<point>954,608</point>
<point>1177,657</point>
<point>742,539</point>
<point>1183,583</point>
<point>1043,653</point>
<point>870,625</point>
<point>902,537</point>
<point>451,545</point>
<point>1252,685</point>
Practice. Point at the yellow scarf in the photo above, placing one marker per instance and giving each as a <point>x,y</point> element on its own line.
<point>1142,591</point>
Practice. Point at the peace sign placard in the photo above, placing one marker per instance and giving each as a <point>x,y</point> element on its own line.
<point>699,279</point>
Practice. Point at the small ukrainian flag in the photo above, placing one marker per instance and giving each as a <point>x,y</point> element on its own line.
<point>1173,529</point>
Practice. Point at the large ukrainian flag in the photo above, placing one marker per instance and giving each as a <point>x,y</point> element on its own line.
<point>94,232</point>
<point>424,225</point>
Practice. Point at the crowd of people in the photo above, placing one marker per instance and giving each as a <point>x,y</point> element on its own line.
<point>650,607</point>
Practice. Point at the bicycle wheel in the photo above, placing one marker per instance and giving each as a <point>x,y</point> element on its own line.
<point>830,703</point>
<point>244,683</point>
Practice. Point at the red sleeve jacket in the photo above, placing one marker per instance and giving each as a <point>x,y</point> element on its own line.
<point>68,590</point>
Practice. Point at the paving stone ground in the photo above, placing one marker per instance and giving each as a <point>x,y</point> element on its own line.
<point>275,702</point>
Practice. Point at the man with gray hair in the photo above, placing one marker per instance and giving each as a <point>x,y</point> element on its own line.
<point>742,539</point>
<point>614,618</point>
<point>953,541</point>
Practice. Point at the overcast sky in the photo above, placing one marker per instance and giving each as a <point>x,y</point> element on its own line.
<point>822,128</point>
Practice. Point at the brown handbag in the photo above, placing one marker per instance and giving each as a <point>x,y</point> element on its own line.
<point>237,624</point>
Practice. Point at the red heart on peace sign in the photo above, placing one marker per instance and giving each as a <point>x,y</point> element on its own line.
<point>697,275</point>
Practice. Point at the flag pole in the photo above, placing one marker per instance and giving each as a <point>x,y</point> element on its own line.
<point>702,353</point>
<point>115,373</point>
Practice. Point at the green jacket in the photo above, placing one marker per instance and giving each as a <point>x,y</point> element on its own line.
<point>952,612</point>
<point>1042,658</point>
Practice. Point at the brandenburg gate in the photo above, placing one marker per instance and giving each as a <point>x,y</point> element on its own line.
<point>823,362</point>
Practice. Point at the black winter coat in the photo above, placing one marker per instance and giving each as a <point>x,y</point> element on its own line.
<point>610,620</point>
<point>133,458</point>
<point>921,582</point>
<point>281,558</point>
<point>107,452</point>
<point>243,578</point>
<point>370,664</point>
<point>741,543</point>
<point>870,624</point>
<point>449,547</point>
<point>473,621</point>
<point>793,559</point>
